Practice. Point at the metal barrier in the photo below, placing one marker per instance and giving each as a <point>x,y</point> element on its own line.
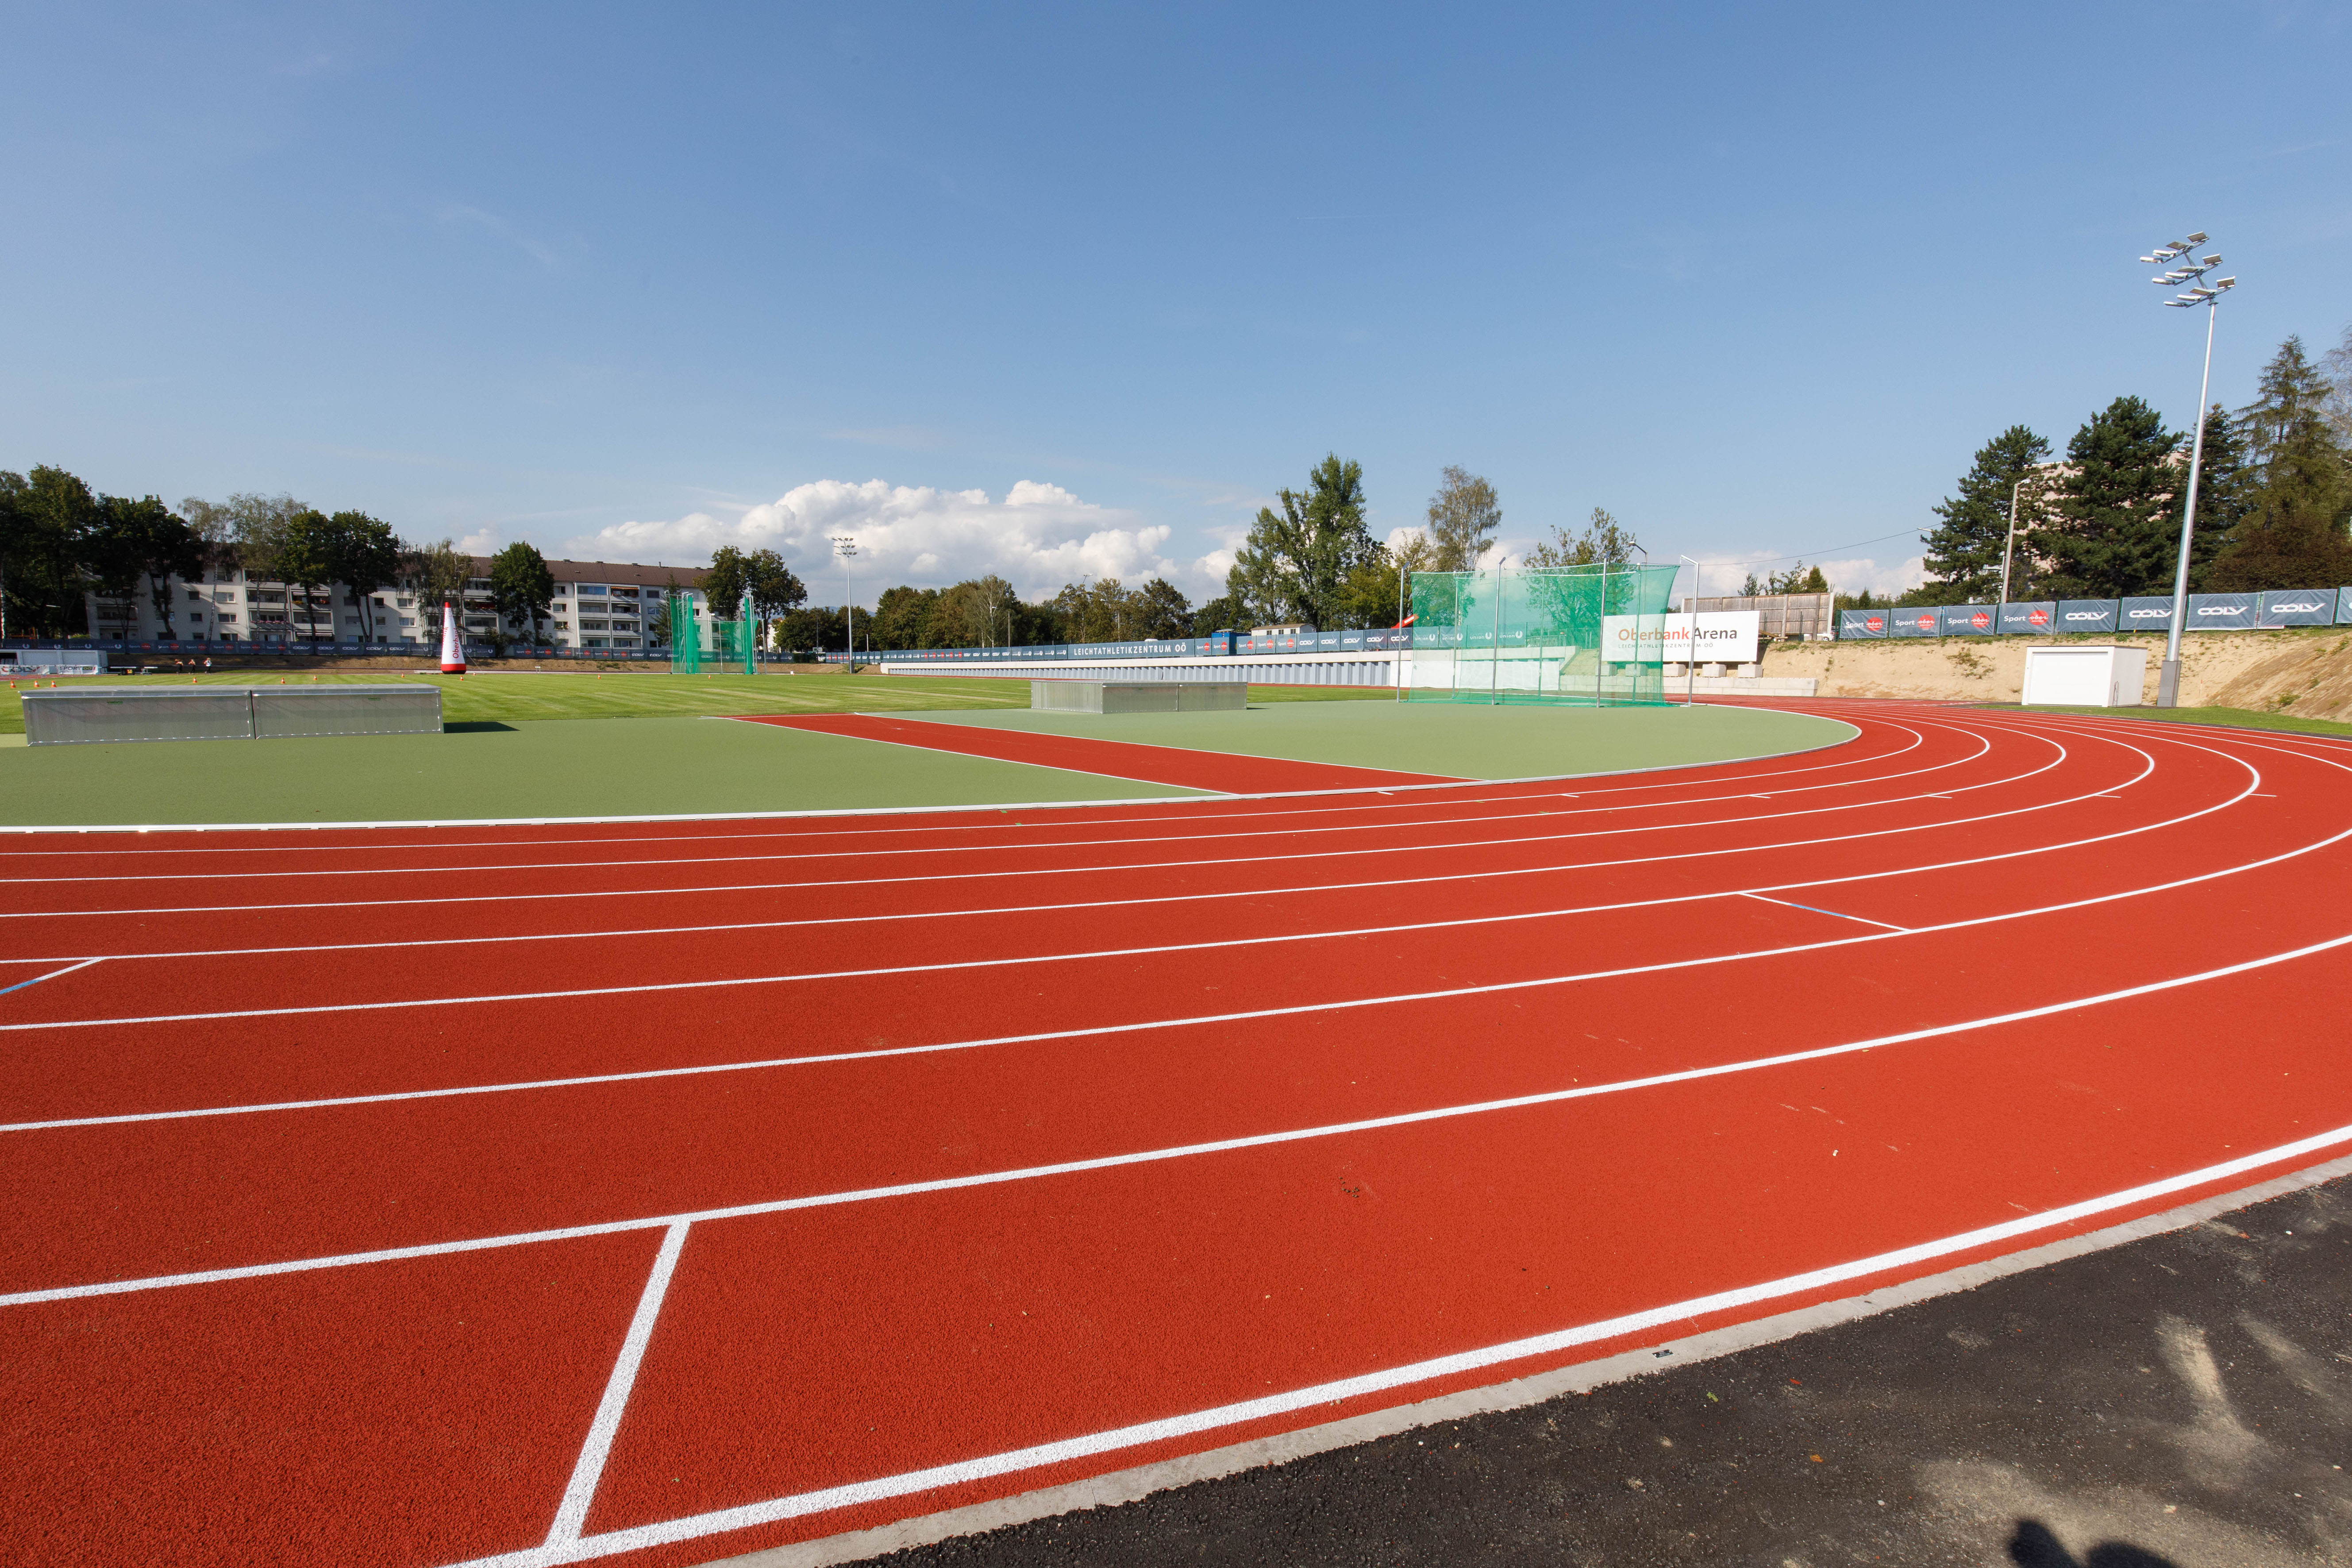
<point>110,714</point>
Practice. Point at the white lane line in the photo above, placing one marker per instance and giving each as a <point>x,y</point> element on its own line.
<point>1479,819</point>
<point>52,975</point>
<point>894,830</point>
<point>1151,1156</point>
<point>1432,848</point>
<point>571,1513</point>
<point>1839,914</point>
<point>877,971</point>
<point>987,1467</point>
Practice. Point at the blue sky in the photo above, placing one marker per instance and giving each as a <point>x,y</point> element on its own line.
<point>1066,290</point>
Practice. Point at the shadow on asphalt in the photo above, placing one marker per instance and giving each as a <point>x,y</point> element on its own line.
<point>2034,1546</point>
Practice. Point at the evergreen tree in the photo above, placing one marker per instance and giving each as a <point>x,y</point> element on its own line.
<point>2119,526</point>
<point>2225,487</point>
<point>1964,551</point>
<point>1798,579</point>
<point>2292,534</point>
<point>1296,565</point>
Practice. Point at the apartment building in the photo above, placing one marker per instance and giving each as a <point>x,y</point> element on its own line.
<point>598,605</point>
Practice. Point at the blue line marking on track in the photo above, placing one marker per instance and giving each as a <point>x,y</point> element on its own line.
<point>52,975</point>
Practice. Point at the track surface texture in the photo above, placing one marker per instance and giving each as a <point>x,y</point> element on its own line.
<point>658,1192</point>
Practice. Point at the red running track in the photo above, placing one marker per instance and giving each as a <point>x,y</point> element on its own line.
<point>661,1192</point>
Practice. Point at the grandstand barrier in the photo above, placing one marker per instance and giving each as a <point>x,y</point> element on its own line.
<point>2151,613</point>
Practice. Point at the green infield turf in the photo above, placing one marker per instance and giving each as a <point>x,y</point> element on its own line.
<point>1458,742</point>
<point>590,768</point>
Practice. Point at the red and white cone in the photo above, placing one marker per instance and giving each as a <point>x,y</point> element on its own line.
<point>453,652</point>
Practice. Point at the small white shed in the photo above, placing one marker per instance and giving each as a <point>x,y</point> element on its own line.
<point>2084,677</point>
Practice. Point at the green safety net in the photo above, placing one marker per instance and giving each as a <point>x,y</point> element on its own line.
<point>733,646</point>
<point>1585,636</point>
<point>684,639</point>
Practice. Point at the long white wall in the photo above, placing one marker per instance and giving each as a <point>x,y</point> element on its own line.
<point>1264,669</point>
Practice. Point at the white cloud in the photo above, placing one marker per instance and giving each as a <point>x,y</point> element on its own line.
<point>481,542</point>
<point>1725,574</point>
<point>1037,538</point>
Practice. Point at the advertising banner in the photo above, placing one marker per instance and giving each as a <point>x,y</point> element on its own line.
<point>1862,623</point>
<point>1914,621</point>
<point>1968,620</point>
<point>2087,615</point>
<point>1725,636</point>
<point>2147,615</point>
<point>2221,613</point>
<point>2029,618</point>
<point>2306,607</point>
<point>2344,607</point>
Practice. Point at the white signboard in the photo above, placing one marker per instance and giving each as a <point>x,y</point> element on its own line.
<point>1725,636</point>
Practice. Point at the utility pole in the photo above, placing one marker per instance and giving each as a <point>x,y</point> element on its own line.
<point>845,546</point>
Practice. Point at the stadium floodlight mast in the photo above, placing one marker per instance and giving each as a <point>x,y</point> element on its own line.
<point>845,546</point>
<point>1690,648</point>
<point>2167,684</point>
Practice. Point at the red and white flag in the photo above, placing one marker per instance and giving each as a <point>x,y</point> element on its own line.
<point>453,652</point>
<point>1406,622</point>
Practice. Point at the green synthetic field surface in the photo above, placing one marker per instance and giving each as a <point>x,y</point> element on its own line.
<point>609,767</point>
<point>1458,741</point>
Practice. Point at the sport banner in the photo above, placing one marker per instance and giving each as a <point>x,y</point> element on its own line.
<point>2221,613</point>
<point>1915,621</point>
<point>2148,614</point>
<point>2344,607</point>
<point>1725,636</point>
<point>2087,615</point>
<point>1862,623</point>
<point>1968,620</point>
<point>2306,607</point>
<point>2029,618</point>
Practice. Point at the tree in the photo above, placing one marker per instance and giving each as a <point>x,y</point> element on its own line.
<point>159,545</point>
<point>2337,363</point>
<point>1752,587</point>
<point>1222,614</point>
<point>2292,532</point>
<point>1295,565</point>
<point>1161,610</point>
<point>15,534</point>
<point>1603,541</point>
<point>1377,590</point>
<point>1797,579</point>
<point>773,588</point>
<point>2119,524</point>
<point>363,556</point>
<point>902,618</point>
<point>2225,490</point>
<point>437,575</point>
<point>1965,550</point>
<point>521,587</point>
<point>723,585</point>
<point>258,526</point>
<point>1463,517</point>
<point>300,550</point>
<point>53,515</point>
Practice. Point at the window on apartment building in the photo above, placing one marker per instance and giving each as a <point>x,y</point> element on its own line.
<point>591,626</point>
<point>591,591</point>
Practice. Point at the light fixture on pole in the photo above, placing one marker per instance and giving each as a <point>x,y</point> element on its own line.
<point>2167,684</point>
<point>845,546</point>
<point>1690,648</point>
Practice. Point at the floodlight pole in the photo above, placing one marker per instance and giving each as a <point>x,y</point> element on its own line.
<point>845,546</point>
<point>1495,662</point>
<point>2167,683</point>
<point>1690,650</point>
<point>2010,550</point>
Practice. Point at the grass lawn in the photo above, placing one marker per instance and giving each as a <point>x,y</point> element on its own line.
<point>510,696</point>
<point>2234,718</point>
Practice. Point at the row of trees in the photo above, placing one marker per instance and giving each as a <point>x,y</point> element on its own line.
<point>2274,503</point>
<point>60,542</point>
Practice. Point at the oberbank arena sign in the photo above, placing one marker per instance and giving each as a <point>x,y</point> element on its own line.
<point>1725,636</point>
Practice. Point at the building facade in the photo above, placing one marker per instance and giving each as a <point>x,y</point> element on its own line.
<point>598,605</point>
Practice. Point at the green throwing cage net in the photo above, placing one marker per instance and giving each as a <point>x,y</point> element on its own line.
<point>684,637</point>
<point>1585,636</point>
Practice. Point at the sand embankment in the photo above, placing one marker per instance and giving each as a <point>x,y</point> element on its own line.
<point>2306,671</point>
